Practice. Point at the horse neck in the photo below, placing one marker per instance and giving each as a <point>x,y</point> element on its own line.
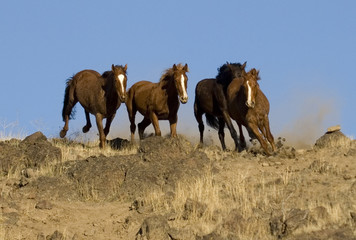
<point>168,86</point>
<point>109,86</point>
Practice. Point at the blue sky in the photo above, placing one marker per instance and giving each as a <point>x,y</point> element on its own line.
<point>305,50</point>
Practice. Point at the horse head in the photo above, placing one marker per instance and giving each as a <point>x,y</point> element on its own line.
<point>120,80</point>
<point>251,86</point>
<point>236,69</point>
<point>180,81</point>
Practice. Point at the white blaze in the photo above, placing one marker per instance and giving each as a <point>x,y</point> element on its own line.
<point>121,78</point>
<point>185,95</point>
<point>248,93</point>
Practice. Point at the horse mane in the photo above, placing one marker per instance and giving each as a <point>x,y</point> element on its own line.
<point>225,73</point>
<point>255,72</point>
<point>167,74</point>
<point>107,74</point>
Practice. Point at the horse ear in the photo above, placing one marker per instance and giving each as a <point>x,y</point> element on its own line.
<point>125,68</point>
<point>112,67</point>
<point>244,65</point>
<point>258,75</point>
<point>185,68</point>
<point>174,67</point>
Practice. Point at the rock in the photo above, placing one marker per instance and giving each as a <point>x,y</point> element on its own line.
<point>193,207</point>
<point>177,234</point>
<point>35,137</point>
<point>118,143</point>
<point>333,140</point>
<point>55,236</point>
<point>233,223</point>
<point>44,204</point>
<point>41,236</point>
<point>282,226</point>
<point>319,213</point>
<point>213,236</point>
<point>265,164</point>
<point>10,218</point>
<point>353,216</point>
<point>154,228</point>
<point>334,129</point>
<point>33,152</point>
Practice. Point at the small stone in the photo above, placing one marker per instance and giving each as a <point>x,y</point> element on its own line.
<point>347,177</point>
<point>44,204</point>
<point>334,129</point>
<point>265,164</point>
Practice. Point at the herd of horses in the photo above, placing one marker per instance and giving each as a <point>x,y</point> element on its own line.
<point>233,94</point>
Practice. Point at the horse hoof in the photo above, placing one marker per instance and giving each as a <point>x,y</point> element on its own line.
<point>85,129</point>
<point>63,133</point>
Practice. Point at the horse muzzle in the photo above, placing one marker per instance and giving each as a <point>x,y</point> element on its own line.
<point>250,104</point>
<point>183,99</point>
<point>122,97</point>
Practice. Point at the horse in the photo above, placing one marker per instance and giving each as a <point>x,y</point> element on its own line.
<point>158,101</point>
<point>210,99</point>
<point>100,95</point>
<point>249,107</point>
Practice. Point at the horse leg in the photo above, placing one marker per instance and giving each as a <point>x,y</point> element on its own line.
<point>232,130</point>
<point>254,128</point>
<point>268,133</point>
<point>99,124</point>
<point>67,112</point>
<point>154,120</point>
<point>108,124</point>
<point>131,110</point>
<point>242,138</point>
<point>199,117</point>
<point>142,126</point>
<point>173,125</point>
<point>88,125</point>
<point>222,133</point>
<point>63,132</point>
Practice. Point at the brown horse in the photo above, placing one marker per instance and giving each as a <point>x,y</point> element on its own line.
<point>210,99</point>
<point>158,101</point>
<point>249,107</point>
<point>100,95</point>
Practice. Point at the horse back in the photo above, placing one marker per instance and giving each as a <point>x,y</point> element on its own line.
<point>139,95</point>
<point>210,97</point>
<point>262,103</point>
<point>88,90</point>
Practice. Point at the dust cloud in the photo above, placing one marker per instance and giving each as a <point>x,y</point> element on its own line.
<point>307,120</point>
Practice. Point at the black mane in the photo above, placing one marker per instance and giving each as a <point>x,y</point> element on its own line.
<point>227,72</point>
<point>107,74</point>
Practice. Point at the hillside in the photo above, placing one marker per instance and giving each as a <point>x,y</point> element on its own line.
<point>172,189</point>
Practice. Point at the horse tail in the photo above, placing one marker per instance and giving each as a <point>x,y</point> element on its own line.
<point>212,121</point>
<point>68,100</point>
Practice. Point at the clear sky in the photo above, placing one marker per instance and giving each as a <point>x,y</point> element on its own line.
<point>305,50</point>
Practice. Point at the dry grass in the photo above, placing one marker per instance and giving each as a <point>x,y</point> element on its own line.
<point>72,151</point>
<point>10,130</point>
<point>254,199</point>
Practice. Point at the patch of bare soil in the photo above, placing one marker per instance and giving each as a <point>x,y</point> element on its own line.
<point>170,189</point>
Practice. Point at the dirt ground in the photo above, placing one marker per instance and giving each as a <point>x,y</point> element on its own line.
<point>167,188</point>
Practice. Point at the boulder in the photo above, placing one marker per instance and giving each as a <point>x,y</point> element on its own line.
<point>333,140</point>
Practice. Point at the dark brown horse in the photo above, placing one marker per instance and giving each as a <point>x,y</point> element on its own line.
<point>249,107</point>
<point>100,95</point>
<point>158,101</point>
<point>210,99</point>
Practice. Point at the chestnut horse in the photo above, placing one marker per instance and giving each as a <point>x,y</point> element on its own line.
<point>158,101</point>
<point>210,99</point>
<point>249,107</point>
<point>100,95</point>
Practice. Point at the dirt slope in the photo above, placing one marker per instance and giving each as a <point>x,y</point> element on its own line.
<point>171,189</point>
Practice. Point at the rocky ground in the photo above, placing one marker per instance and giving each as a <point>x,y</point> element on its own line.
<point>171,189</point>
